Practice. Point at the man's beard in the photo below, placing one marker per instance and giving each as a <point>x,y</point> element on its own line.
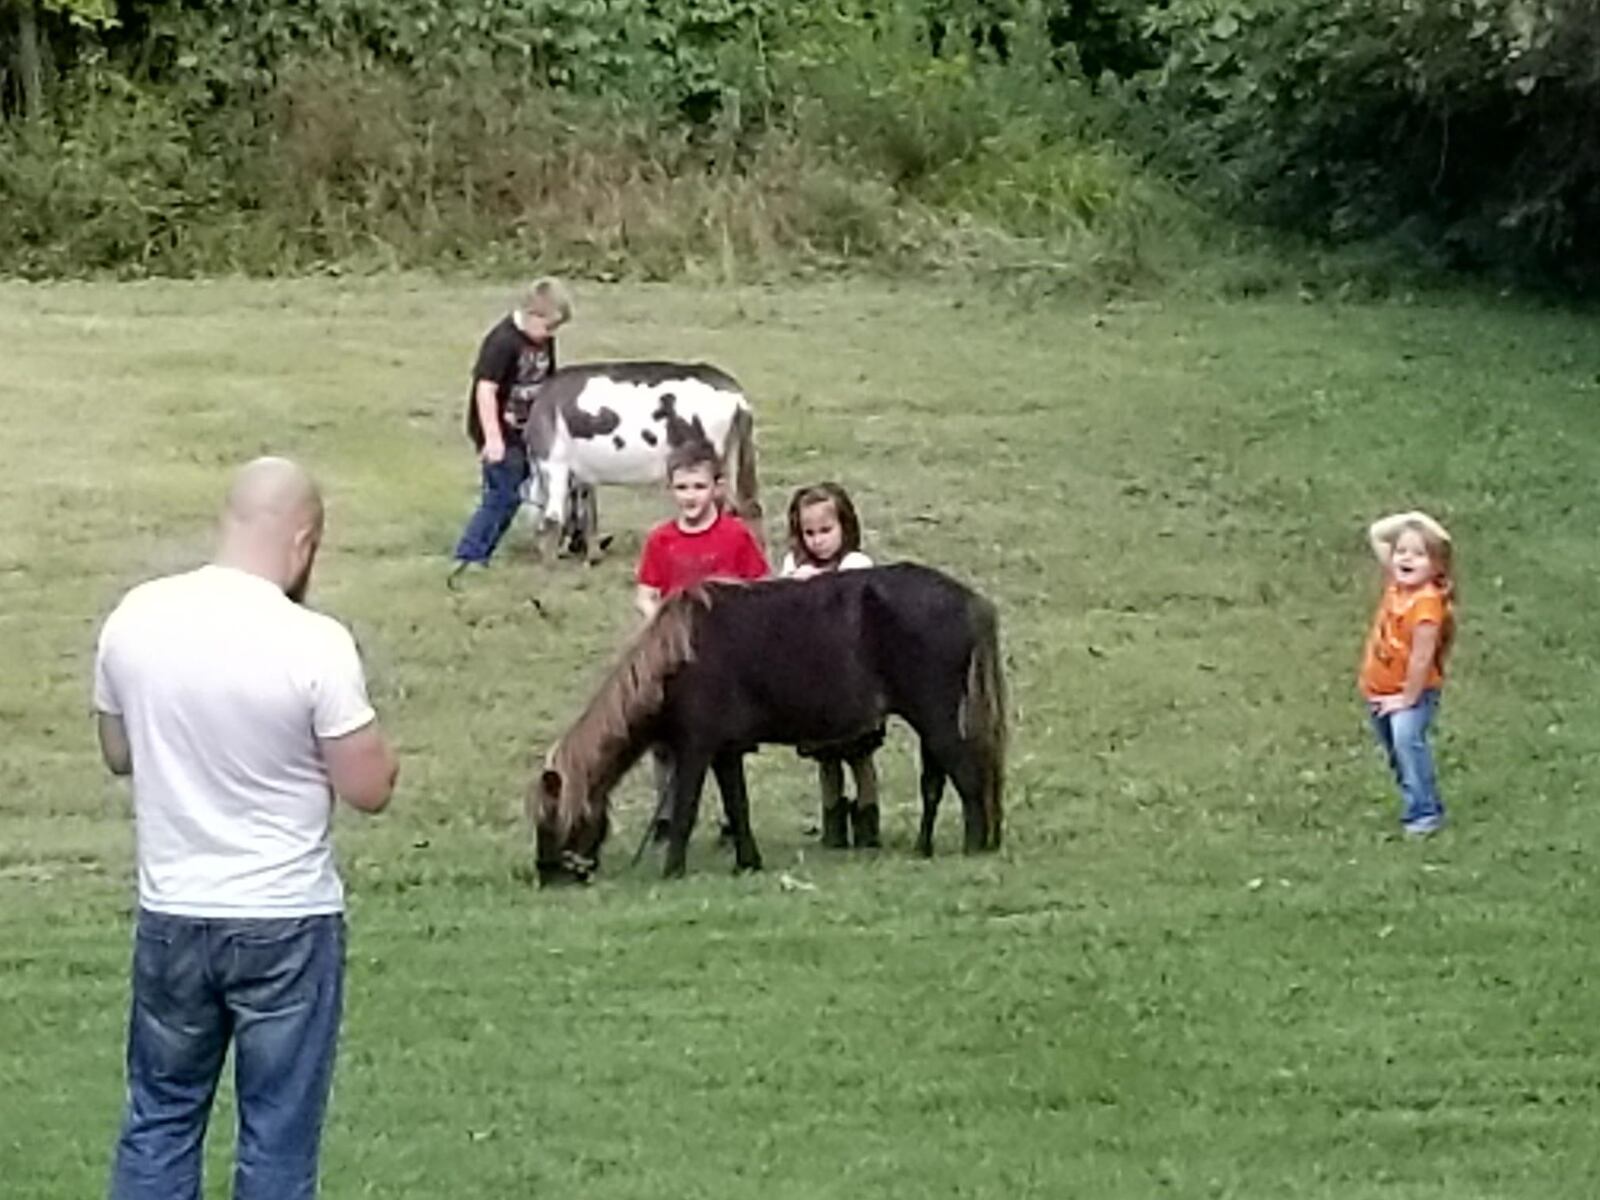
<point>296,591</point>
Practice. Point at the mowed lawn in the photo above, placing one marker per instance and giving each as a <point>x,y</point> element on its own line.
<point>1203,965</point>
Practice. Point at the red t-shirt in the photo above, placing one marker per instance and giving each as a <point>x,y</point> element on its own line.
<point>674,559</point>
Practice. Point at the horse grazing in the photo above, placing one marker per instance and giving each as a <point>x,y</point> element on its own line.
<point>616,422</point>
<point>727,667</point>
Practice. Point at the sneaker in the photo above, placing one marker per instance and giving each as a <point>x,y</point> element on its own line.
<point>1426,827</point>
<point>459,569</point>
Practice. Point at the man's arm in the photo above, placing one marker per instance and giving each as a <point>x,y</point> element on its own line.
<point>361,767</point>
<point>114,747</point>
<point>487,397</point>
<point>647,600</point>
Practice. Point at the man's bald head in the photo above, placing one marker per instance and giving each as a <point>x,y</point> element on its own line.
<point>272,523</point>
<point>273,489</point>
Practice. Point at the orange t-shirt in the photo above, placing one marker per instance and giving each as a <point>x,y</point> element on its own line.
<point>1388,654</point>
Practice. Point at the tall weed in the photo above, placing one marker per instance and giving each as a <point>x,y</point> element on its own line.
<point>858,147</point>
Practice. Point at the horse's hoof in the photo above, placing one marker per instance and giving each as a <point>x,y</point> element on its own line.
<point>745,868</point>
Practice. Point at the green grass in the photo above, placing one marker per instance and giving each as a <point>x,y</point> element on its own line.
<point>1202,966</point>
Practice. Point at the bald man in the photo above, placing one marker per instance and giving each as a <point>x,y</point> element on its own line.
<point>240,715</point>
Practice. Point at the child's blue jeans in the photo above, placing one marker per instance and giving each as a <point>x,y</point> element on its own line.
<point>272,988</point>
<point>502,496</point>
<point>1404,738</point>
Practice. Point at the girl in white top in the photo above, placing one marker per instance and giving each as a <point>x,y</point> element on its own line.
<point>824,533</point>
<point>825,536</point>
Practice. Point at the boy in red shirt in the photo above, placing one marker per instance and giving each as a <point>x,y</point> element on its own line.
<point>702,542</point>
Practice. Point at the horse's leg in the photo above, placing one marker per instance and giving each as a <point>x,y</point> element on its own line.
<point>687,778</point>
<point>557,481</point>
<point>864,812</point>
<point>947,754</point>
<point>533,495</point>
<point>572,527</point>
<point>835,809</point>
<point>589,526</point>
<point>729,769</point>
<point>960,760</point>
<point>933,777</point>
<point>661,769</point>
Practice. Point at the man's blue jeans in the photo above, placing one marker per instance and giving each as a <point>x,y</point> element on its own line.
<point>1404,738</point>
<point>502,495</point>
<point>274,988</point>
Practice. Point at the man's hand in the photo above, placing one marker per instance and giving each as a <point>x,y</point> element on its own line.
<point>493,452</point>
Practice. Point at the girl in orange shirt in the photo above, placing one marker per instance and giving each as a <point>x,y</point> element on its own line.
<point>1403,667</point>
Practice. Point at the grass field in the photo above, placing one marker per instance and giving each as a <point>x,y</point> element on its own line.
<point>1203,966</point>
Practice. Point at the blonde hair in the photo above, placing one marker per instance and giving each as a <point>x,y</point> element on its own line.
<point>547,297</point>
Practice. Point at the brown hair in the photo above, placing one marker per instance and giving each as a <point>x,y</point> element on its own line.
<point>605,739</point>
<point>696,452</point>
<point>849,524</point>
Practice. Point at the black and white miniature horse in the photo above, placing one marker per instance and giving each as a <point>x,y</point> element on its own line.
<point>618,422</point>
<point>726,668</point>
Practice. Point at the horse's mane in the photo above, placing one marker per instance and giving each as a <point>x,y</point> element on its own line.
<point>606,739</point>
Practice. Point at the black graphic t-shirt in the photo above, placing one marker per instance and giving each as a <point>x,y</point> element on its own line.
<point>517,367</point>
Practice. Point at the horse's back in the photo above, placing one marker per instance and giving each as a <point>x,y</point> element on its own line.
<point>921,596</point>
<point>830,656</point>
<point>848,610</point>
<point>617,422</point>
<point>644,373</point>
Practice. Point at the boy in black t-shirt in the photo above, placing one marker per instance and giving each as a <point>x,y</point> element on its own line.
<point>513,360</point>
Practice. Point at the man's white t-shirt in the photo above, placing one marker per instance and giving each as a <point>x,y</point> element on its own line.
<point>225,686</point>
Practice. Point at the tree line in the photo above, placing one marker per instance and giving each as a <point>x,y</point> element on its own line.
<point>193,135</point>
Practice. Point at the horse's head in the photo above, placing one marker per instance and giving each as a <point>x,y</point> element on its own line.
<point>570,825</point>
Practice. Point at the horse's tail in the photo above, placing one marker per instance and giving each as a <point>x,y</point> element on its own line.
<point>740,462</point>
<point>983,712</point>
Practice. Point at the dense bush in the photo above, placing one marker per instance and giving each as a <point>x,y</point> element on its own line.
<point>657,136</point>
<point>630,137</point>
<point>1466,129</point>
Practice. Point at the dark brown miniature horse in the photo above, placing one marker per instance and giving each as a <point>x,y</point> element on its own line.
<point>721,670</point>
